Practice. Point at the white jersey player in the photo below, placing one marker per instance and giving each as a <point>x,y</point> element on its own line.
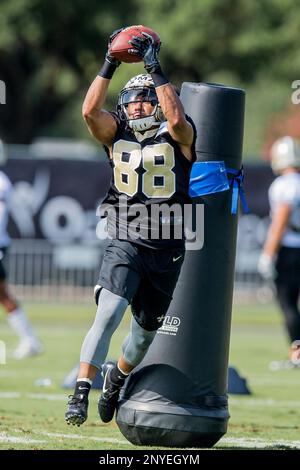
<point>280,258</point>
<point>29,344</point>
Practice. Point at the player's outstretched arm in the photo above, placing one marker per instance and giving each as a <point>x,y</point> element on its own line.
<point>101,124</point>
<point>179,128</point>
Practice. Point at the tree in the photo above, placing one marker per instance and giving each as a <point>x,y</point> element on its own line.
<point>47,52</point>
<point>282,124</point>
<point>51,50</point>
<point>202,38</point>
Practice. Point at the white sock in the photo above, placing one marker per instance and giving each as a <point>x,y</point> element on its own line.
<point>89,381</point>
<point>20,323</point>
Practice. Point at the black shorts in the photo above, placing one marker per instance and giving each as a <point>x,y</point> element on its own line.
<point>2,264</point>
<point>288,266</point>
<point>145,277</point>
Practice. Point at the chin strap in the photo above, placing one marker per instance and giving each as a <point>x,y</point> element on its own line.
<point>143,124</point>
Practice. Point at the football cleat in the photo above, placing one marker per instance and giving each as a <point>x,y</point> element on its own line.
<point>77,411</point>
<point>28,347</point>
<point>108,400</point>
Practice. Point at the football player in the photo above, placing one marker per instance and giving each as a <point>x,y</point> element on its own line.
<point>150,143</point>
<point>280,258</point>
<point>29,344</point>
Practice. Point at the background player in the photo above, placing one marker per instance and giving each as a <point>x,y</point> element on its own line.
<point>29,344</point>
<point>280,258</point>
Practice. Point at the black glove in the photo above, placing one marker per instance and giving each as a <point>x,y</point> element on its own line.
<point>148,49</point>
<point>109,57</point>
<point>110,63</point>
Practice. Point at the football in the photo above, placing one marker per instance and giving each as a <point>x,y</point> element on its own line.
<point>120,44</point>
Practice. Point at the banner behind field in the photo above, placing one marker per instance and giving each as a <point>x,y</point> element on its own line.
<point>57,199</point>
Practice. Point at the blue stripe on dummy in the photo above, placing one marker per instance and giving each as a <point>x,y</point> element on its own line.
<point>208,178</point>
<point>211,177</point>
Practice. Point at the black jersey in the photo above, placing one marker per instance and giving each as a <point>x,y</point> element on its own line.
<point>149,187</point>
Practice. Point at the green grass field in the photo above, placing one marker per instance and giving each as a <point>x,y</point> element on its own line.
<point>32,417</point>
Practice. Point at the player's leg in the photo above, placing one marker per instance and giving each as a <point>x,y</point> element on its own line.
<point>149,306</point>
<point>288,296</point>
<point>135,346</point>
<point>134,349</point>
<point>110,311</point>
<point>287,290</point>
<point>119,279</point>
<point>29,344</point>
